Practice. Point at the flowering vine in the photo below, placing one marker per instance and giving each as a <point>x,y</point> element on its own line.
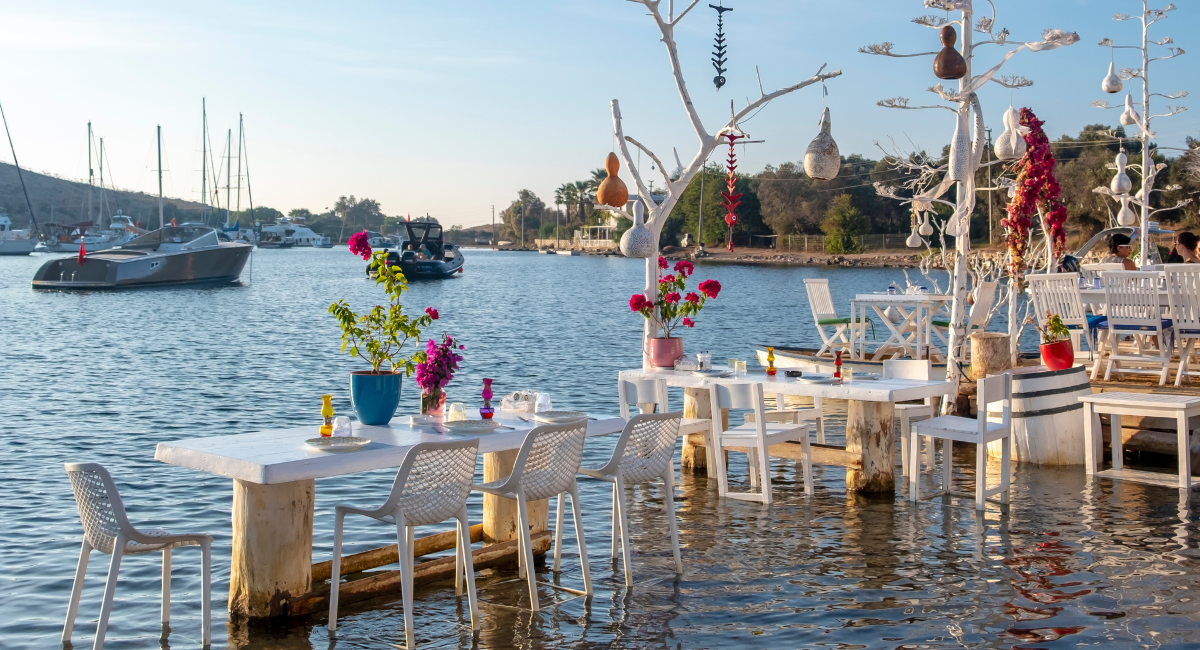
<point>673,307</point>
<point>1036,189</point>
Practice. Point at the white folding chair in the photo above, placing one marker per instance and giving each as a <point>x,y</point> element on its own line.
<point>948,428</point>
<point>643,453</point>
<point>825,315</point>
<point>1133,309</point>
<point>1058,293</point>
<point>431,486</point>
<point>985,297</point>
<point>755,438</point>
<point>106,528</point>
<point>1183,295</point>
<point>545,467</point>
<point>920,369</point>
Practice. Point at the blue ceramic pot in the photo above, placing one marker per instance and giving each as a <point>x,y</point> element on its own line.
<point>375,396</point>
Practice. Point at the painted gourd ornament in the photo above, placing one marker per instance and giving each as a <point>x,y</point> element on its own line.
<point>638,241</point>
<point>926,227</point>
<point>1129,117</point>
<point>914,240</point>
<point>612,191</point>
<point>949,64</point>
<point>1121,183</point>
<point>1126,217</point>
<point>1111,83</point>
<point>822,160</point>
<point>1011,144</point>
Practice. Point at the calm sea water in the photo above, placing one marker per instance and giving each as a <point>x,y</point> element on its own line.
<point>105,376</point>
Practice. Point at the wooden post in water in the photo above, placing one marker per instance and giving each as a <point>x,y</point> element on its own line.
<point>870,436</point>
<point>697,403</point>
<point>272,546</point>
<point>500,515</point>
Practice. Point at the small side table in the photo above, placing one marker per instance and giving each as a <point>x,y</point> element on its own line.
<point>1179,407</point>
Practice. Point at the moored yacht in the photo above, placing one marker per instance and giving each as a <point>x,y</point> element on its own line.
<point>15,242</point>
<point>290,229</point>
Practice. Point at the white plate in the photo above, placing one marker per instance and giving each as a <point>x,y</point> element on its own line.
<point>715,372</point>
<point>867,375</point>
<point>471,426</point>
<point>815,378</point>
<point>560,417</point>
<point>345,443</point>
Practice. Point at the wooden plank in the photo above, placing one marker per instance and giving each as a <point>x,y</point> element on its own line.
<point>386,555</point>
<point>821,454</point>
<point>388,582</point>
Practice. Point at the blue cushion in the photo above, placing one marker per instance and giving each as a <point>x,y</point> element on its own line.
<point>1166,325</point>
<point>1094,321</point>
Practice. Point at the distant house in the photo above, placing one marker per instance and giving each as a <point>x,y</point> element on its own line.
<point>608,227</point>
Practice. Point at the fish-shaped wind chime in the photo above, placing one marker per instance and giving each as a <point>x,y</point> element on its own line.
<point>718,59</point>
<point>729,200</point>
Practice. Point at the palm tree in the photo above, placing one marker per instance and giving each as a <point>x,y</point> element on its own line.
<point>561,197</point>
<point>585,194</point>
<point>341,208</point>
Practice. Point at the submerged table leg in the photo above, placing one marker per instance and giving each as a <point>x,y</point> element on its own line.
<point>272,546</point>
<point>870,435</point>
<point>500,515</point>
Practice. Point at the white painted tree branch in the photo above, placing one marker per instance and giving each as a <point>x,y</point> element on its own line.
<point>657,162</point>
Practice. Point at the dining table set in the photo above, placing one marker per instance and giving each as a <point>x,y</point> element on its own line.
<point>908,319</point>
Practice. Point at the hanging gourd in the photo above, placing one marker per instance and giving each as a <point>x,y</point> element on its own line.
<point>1121,184</point>
<point>1111,83</point>
<point>1126,217</point>
<point>822,160</point>
<point>729,200</point>
<point>612,191</point>
<point>1011,144</point>
<point>949,64</point>
<point>718,59</point>
<point>913,240</point>
<point>1129,117</point>
<point>638,241</point>
<point>926,227</point>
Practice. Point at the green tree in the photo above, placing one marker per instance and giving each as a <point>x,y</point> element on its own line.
<point>842,225</point>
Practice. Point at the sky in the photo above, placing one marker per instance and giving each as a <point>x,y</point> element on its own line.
<point>450,108</point>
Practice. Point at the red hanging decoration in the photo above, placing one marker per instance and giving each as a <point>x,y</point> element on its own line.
<point>731,201</point>
<point>1036,189</point>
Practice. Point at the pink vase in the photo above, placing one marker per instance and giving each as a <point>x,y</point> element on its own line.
<point>664,351</point>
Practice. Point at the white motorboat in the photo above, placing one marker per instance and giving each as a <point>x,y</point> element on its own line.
<point>15,242</point>
<point>293,230</point>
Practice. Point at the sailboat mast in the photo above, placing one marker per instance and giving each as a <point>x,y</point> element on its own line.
<point>91,172</point>
<point>100,215</point>
<point>204,155</point>
<point>160,198</point>
<point>239,198</point>
<point>228,170</point>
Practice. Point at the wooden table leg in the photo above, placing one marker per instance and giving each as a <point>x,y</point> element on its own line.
<point>870,436</point>
<point>272,546</point>
<point>697,403</point>
<point>499,514</point>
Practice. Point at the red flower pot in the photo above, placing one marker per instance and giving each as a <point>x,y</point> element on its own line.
<point>1058,356</point>
<point>664,351</point>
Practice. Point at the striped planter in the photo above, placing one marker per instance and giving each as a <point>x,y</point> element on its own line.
<point>1047,416</point>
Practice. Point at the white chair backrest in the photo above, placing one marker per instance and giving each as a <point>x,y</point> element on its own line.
<point>100,508</point>
<point>984,299</point>
<point>551,456</point>
<point>738,395</point>
<point>907,369</point>
<point>647,446</point>
<point>819,299</point>
<point>1183,294</point>
<point>631,392</point>
<point>1057,293</point>
<point>434,481</point>
<point>1092,271</point>
<point>1131,298</point>
<point>996,388</point>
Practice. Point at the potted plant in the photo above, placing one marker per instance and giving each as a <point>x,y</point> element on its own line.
<point>434,371</point>
<point>1056,348</point>
<point>379,336</point>
<point>672,309</point>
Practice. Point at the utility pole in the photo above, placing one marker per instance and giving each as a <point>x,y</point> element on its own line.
<point>700,220</point>
<point>991,240</point>
<point>494,239</point>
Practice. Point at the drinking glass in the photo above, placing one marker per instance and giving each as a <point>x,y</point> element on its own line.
<point>342,427</point>
<point>847,375</point>
<point>732,364</point>
<point>457,412</point>
<point>741,367</point>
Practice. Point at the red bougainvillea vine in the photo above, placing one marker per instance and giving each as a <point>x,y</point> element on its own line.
<point>1036,189</point>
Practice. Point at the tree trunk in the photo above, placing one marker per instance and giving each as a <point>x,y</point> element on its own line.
<point>989,354</point>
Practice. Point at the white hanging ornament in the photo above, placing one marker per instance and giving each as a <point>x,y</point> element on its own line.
<point>1130,117</point>
<point>1126,217</point>
<point>822,160</point>
<point>960,147</point>
<point>926,227</point>
<point>1111,83</point>
<point>638,241</point>
<point>1121,183</point>
<point>914,240</point>
<point>1011,143</point>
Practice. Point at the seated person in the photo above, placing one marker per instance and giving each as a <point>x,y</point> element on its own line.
<point>1184,251</point>
<point>1119,250</point>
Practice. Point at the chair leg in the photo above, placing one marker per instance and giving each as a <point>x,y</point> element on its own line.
<point>206,592</point>
<point>577,515</point>
<point>166,587</point>
<point>616,522</point>
<point>623,516</point>
<point>1006,468</point>
<point>459,563</point>
<point>336,575</point>
<point>464,543</point>
<point>406,579</point>
<point>527,551</point>
<point>947,455</point>
<point>752,467</point>
<point>905,427</point>
<point>558,527</point>
<point>76,591</point>
<point>669,499</point>
<point>722,469</point>
<point>914,466</point>
<point>110,589</point>
<point>806,450</point>
<point>820,420</point>
<point>980,475</point>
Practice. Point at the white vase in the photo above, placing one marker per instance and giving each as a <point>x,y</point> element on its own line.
<point>1111,83</point>
<point>1126,217</point>
<point>638,241</point>
<point>822,160</point>
<point>1121,184</point>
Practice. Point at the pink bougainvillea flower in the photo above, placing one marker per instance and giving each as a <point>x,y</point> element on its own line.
<point>432,313</point>
<point>359,246</point>
<point>684,268</point>
<point>672,297</point>
<point>692,297</point>
<point>666,279</point>
<point>710,288</point>
<point>638,302</point>
<point>662,262</point>
<point>687,322</point>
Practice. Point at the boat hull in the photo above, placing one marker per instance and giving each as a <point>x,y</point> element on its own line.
<point>17,246</point>
<point>431,269</point>
<point>121,269</point>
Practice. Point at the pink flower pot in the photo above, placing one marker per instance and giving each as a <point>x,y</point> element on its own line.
<point>1058,356</point>
<point>664,351</point>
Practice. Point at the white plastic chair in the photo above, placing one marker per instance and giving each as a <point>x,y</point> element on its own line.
<point>1183,295</point>
<point>997,388</point>
<point>106,528</point>
<point>1133,309</point>
<point>756,438</point>
<point>545,467</point>
<point>643,453</point>
<point>1058,293</point>
<point>645,395</point>
<point>919,369</point>
<point>431,486</point>
<point>825,315</point>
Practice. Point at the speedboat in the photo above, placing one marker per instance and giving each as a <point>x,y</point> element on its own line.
<point>426,256</point>
<point>290,229</point>
<point>15,242</point>
<point>185,254</point>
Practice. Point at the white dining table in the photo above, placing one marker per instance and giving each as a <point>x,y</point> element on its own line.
<point>1096,297</point>
<point>911,335</point>
<point>273,476</point>
<point>869,420</point>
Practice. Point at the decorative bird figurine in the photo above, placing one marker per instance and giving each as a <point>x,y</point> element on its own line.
<point>1111,83</point>
<point>612,191</point>
<point>822,160</point>
<point>949,64</point>
<point>1011,143</point>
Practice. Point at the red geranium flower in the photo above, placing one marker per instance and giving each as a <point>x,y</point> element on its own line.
<point>359,246</point>
<point>638,302</point>
<point>684,268</point>
<point>666,279</point>
<point>431,312</point>
<point>672,297</point>
<point>710,288</point>
<point>687,322</point>
<point>662,262</point>
<point>692,297</point>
